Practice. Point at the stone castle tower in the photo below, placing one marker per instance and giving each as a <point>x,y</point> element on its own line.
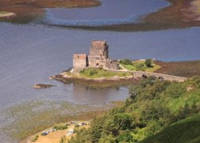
<point>98,54</point>
<point>98,58</point>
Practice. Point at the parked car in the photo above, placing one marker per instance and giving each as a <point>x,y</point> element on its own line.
<point>44,133</point>
<point>70,132</point>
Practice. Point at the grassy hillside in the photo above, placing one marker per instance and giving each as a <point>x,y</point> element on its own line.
<point>184,131</point>
<point>156,112</point>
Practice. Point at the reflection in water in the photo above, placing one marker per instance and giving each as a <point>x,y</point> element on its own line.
<point>98,96</point>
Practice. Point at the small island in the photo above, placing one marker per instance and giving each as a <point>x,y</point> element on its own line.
<point>41,86</point>
<point>97,67</point>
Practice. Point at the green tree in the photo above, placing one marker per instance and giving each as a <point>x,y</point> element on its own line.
<point>149,62</point>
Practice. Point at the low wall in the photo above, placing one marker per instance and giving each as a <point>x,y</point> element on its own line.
<point>140,74</point>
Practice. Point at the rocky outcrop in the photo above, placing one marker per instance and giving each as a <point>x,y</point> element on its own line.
<point>40,86</point>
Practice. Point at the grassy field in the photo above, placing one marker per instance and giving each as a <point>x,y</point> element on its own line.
<point>101,73</point>
<point>139,65</point>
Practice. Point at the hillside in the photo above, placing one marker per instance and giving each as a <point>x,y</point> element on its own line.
<point>156,112</point>
<point>184,131</point>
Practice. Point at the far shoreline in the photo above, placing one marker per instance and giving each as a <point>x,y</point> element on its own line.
<point>25,11</point>
<point>5,14</point>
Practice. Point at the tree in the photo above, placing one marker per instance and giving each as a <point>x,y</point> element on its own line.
<point>149,62</point>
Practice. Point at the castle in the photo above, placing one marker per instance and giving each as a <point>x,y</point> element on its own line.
<point>98,58</point>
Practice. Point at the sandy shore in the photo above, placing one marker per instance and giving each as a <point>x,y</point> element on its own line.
<point>7,14</point>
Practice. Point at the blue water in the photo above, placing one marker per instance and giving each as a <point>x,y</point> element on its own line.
<point>30,53</point>
<point>109,13</point>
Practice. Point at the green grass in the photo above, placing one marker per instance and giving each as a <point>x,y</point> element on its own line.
<point>138,66</point>
<point>184,131</point>
<point>63,140</point>
<point>61,127</point>
<point>35,138</point>
<point>101,73</point>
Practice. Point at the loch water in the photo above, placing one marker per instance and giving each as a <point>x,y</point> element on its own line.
<point>30,53</point>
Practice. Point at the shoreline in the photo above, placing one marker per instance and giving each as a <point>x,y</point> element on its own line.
<point>179,14</point>
<point>115,80</point>
<point>96,83</point>
<point>165,67</point>
<point>5,14</point>
<point>26,11</point>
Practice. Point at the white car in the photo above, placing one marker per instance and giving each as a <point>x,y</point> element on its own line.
<point>70,132</point>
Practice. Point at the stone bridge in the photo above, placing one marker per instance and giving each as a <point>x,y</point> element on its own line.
<point>140,74</point>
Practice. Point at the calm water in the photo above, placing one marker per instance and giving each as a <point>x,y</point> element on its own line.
<point>29,54</point>
<point>109,13</point>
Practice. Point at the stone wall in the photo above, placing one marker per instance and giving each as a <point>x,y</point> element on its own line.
<point>98,54</point>
<point>140,74</point>
<point>80,61</point>
<point>99,49</point>
<point>112,65</point>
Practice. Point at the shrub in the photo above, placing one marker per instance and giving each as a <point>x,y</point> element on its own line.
<point>153,106</point>
<point>63,140</point>
<point>125,138</point>
<point>120,121</point>
<point>61,127</point>
<point>35,138</point>
<point>96,129</point>
<point>149,62</point>
<point>126,62</point>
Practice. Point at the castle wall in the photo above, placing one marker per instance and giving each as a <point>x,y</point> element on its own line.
<point>113,65</point>
<point>99,49</point>
<point>98,54</point>
<point>80,61</point>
